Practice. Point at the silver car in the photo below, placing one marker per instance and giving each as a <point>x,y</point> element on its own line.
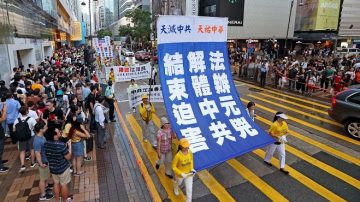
<point>346,110</point>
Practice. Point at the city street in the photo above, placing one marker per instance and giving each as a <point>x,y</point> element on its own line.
<point>323,161</point>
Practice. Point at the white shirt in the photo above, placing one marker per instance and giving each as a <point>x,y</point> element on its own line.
<point>31,123</point>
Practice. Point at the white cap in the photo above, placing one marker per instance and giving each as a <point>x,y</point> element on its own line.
<point>164,121</point>
<point>283,116</point>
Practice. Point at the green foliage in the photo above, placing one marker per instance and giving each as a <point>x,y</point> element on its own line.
<point>104,32</point>
<point>141,29</point>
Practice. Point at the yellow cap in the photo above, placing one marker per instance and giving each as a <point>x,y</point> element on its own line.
<point>144,97</point>
<point>184,143</point>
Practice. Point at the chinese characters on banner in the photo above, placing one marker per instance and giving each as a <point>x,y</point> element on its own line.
<point>134,95</point>
<point>126,73</point>
<point>103,47</point>
<point>203,104</point>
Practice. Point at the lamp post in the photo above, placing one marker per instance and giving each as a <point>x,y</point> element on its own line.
<point>84,4</point>
<point>288,26</point>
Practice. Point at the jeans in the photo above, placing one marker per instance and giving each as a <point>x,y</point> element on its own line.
<point>149,132</point>
<point>1,151</point>
<point>111,108</point>
<point>166,158</point>
<point>262,79</point>
<point>291,84</point>
<point>12,134</point>
<point>100,135</point>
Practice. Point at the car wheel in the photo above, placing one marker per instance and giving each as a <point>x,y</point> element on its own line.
<point>352,128</point>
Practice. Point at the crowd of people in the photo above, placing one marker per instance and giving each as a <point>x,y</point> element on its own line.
<point>52,112</point>
<point>305,74</point>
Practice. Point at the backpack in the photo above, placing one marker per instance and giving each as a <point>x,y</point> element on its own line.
<point>22,130</point>
<point>49,92</point>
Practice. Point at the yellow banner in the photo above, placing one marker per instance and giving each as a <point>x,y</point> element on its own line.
<point>328,14</point>
<point>76,35</point>
<point>62,36</point>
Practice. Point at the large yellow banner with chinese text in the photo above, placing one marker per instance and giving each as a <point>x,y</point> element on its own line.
<point>76,34</point>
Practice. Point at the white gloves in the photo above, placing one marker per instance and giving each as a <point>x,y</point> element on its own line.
<point>183,175</point>
<point>148,108</point>
<point>193,171</point>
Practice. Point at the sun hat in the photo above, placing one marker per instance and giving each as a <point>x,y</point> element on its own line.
<point>283,116</point>
<point>164,121</point>
<point>144,97</point>
<point>184,143</point>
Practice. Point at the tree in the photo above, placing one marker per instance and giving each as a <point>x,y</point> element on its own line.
<point>104,32</point>
<point>141,30</point>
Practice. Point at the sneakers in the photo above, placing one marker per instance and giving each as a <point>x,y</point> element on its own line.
<point>145,140</point>
<point>157,166</point>
<point>22,169</point>
<point>113,120</point>
<point>50,186</point>
<point>134,110</point>
<point>169,176</point>
<point>268,163</point>
<point>284,171</point>
<point>27,157</point>
<point>4,169</point>
<point>46,197</point>
<point>33,165</point>
<point>88,158</point>
<point>176,190</point>
<point>5,161</point>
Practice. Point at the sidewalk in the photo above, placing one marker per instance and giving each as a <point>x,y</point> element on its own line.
<point>317,96</point>
<point>110,176</point>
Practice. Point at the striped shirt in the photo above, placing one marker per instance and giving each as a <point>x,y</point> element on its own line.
<point>55,152</point>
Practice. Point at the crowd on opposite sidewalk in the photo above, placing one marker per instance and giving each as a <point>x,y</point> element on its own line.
<point>53,112</point>
<point>303,73</point>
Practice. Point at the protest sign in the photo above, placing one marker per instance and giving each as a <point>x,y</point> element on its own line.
<point>134,94</point>
<point>126,73</point>
<point>201,99</point>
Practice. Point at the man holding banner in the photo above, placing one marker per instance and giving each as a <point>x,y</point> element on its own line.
<point>146,112</point>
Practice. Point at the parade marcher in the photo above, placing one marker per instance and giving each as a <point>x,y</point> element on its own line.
<point>250,109</point>
<point>146,112</point>
<point>132,87</point>
<point>99,112</point>
<point>278,130</point>
<point>110,97</point>
<point>183,167</point>
<point>44,171</point>
<point>165,136</point>
<point>58,155</point>
<point>24,130</point>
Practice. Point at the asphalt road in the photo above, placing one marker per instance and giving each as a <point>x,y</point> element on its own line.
<point>323,161</point>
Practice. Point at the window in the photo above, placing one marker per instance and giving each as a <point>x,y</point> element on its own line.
<point>354,98</point>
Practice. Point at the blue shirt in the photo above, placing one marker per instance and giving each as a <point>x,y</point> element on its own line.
<point>85,92</point>
<point>38,146</point>
<point>55,152</point>
<point>12,110</point>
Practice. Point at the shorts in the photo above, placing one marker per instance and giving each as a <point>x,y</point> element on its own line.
<point>23,145</point>
<point>77,148</point>
<point>44,173</point>
<point>64,178</point>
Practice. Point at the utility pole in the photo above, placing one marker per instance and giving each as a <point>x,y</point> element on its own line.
<point>288,26</point>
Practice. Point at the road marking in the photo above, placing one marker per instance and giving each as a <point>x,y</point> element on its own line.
<point>326,131</point>
<point>149,183</point>
<point>288,96</point>
<point>210,182</point>
<point>294,103</point>
<point>323,166</point>
<point>256,181</point>
<point>316,187</point>
<point>320,145</point>
<point>298,111</point>
<point>152,156</point>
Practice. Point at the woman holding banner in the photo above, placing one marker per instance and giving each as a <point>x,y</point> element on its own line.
<point>183,167</point>
<point>278,130</point>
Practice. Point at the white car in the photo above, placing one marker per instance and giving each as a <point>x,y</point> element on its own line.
<point>128,53</point>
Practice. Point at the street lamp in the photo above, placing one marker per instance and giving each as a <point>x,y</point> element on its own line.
<point>84,4</point>
<point>288,26</point>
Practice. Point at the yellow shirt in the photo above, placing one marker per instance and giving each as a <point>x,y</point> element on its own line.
<point>66,131</point>
<point>278,130</point>
<point>36,85</point>
<point>112,77</point>
<point>144,114</point>
<point>182,163</point>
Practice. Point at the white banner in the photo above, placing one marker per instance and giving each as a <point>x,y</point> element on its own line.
<point>126,73</point>
<point>134,94</point>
